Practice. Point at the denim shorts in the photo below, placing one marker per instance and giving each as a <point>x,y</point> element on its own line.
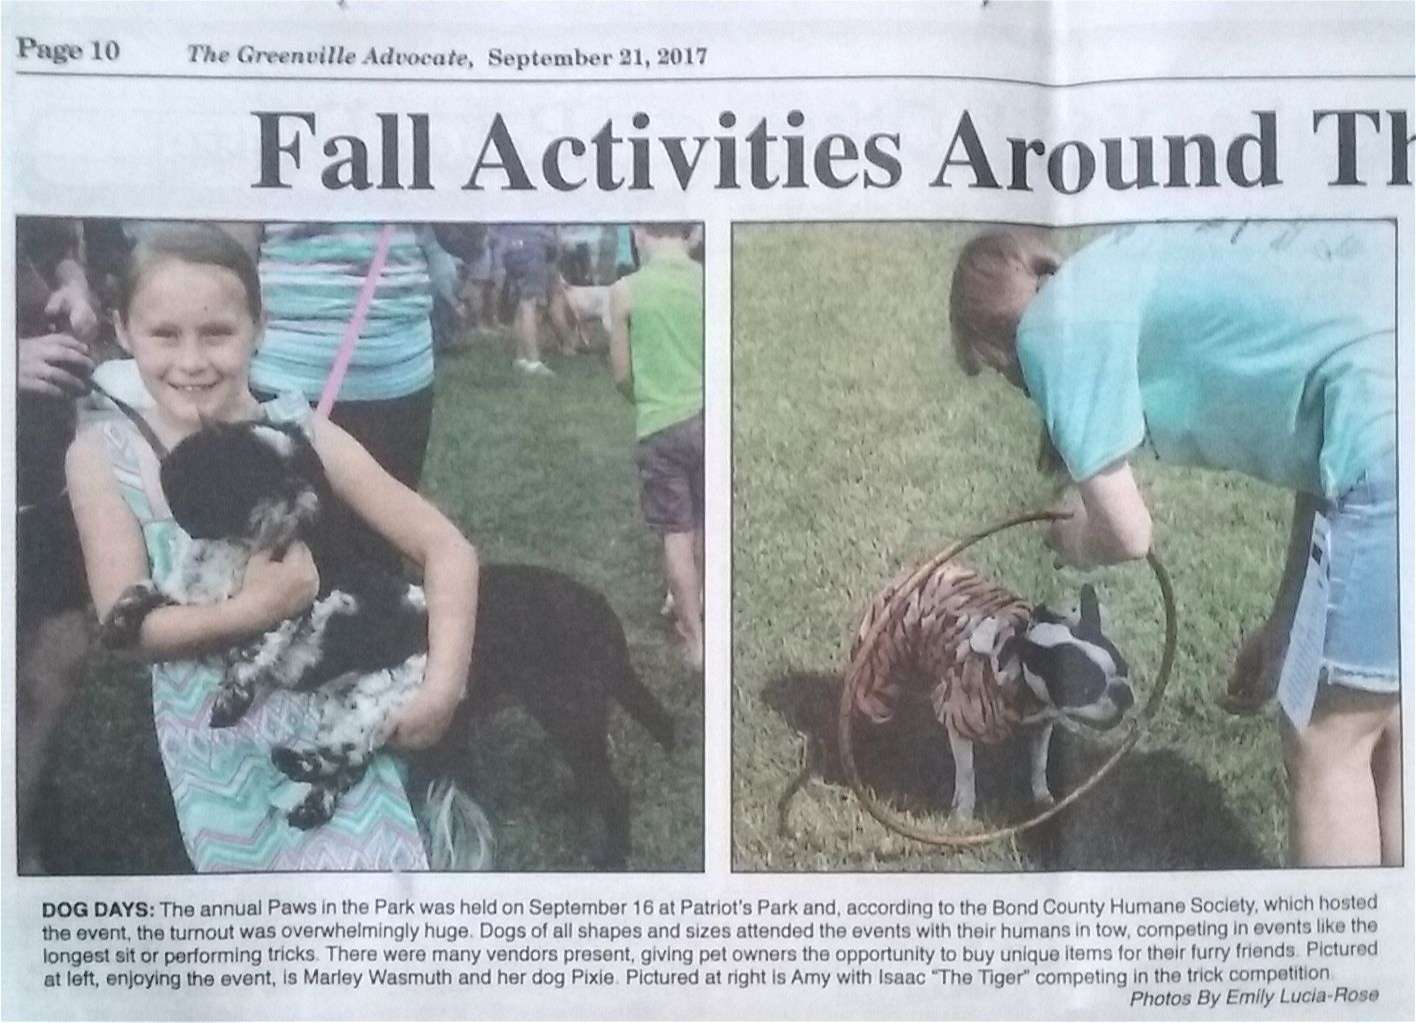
<point>1361,649</point>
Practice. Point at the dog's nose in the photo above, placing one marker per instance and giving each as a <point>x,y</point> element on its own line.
<point>1121,695</point>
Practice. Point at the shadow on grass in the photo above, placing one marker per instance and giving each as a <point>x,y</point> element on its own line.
<point>116,821</point>
<point>1156,810</point>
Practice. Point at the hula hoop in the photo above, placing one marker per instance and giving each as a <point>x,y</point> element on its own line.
<point>1134,727</point>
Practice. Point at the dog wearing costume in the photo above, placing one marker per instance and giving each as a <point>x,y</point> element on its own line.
<point>992,667</point>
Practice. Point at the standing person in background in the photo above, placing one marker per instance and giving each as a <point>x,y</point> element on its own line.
<point>527,255</point>
<point>55,322</point>
<point>311,275</point>
<point>310,280</point>
<point>656,357</point>
<point>482,272</point>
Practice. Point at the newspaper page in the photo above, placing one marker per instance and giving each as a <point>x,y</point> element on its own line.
<point>707,511</point>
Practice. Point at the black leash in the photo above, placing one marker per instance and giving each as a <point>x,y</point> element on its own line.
<point>136,418</point>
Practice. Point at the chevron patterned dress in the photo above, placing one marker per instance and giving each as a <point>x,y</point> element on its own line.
<point>231,800</point>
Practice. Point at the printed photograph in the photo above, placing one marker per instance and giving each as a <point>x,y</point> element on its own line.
<point>358,547</point>
<point>1065,549</point>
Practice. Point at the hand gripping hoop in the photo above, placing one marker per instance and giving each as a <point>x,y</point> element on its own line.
<point>1134,726</point>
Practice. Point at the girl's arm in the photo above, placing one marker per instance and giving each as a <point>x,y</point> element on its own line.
<point>115,558</point>
<point>449,563</point>
<point>1109,520</point>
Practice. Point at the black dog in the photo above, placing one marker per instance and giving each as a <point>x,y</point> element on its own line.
<point>543,640</point>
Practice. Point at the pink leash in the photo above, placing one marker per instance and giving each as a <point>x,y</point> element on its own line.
<point>356,322</point>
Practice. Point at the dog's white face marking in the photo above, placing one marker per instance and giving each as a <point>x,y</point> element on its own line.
<point>1083,679</point>
<point>276,520</point>
<point>275,523</point>
<point>1051,634</point>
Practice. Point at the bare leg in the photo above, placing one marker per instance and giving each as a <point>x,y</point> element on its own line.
<point>50,665</point>
<point>1386,772</point>
<point>564,322</point>
<point>681,566</point>
<point>1335,811</point>
<point>528,341</point>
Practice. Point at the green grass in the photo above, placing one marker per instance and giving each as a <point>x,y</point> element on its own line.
<point>533,471</point>
<point>859,447</point>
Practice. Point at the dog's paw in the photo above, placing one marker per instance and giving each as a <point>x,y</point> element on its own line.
<point>120,627</point>
<point>962,812</point>
<point>230,705</point>
<point>315,809</point>
<point>297,765</point>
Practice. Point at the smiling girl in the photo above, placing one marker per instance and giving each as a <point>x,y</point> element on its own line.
<point>190,315</point>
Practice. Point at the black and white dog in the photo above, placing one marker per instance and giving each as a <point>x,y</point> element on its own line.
<point>1072,675</point>
<point>542,639</point>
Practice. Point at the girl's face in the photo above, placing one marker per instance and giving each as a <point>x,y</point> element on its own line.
<point>190,330</point>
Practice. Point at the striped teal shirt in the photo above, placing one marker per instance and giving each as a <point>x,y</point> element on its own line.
<point>310,280</point>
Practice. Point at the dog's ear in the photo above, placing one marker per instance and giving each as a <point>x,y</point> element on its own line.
<point>307,460</point>
<point>1041,613</point>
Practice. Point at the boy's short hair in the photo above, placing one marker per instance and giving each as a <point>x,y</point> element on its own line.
<point>983,317</point>
<point>201,244</point>
<point>668,228</point>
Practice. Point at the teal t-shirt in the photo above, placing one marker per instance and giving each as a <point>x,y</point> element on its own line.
<point>1268,349</point>
<point>311,276</point>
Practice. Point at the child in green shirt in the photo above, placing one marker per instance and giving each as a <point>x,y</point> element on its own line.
<point>656,357</point>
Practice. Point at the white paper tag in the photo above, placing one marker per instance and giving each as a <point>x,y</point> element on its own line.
<point>1298,682</point>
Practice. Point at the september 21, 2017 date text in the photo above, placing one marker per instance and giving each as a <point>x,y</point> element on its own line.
<point>627,56</point>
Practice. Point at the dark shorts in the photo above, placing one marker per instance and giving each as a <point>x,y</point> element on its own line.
<point>49,563</point>
<point>528,270</point>
<point>671,477</point>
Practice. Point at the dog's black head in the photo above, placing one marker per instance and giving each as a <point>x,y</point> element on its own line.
<point>1081,672</point>
<point>253,482</point>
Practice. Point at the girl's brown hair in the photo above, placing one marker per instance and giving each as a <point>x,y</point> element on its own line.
<point>984,306</point>
<point>201,244</point>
